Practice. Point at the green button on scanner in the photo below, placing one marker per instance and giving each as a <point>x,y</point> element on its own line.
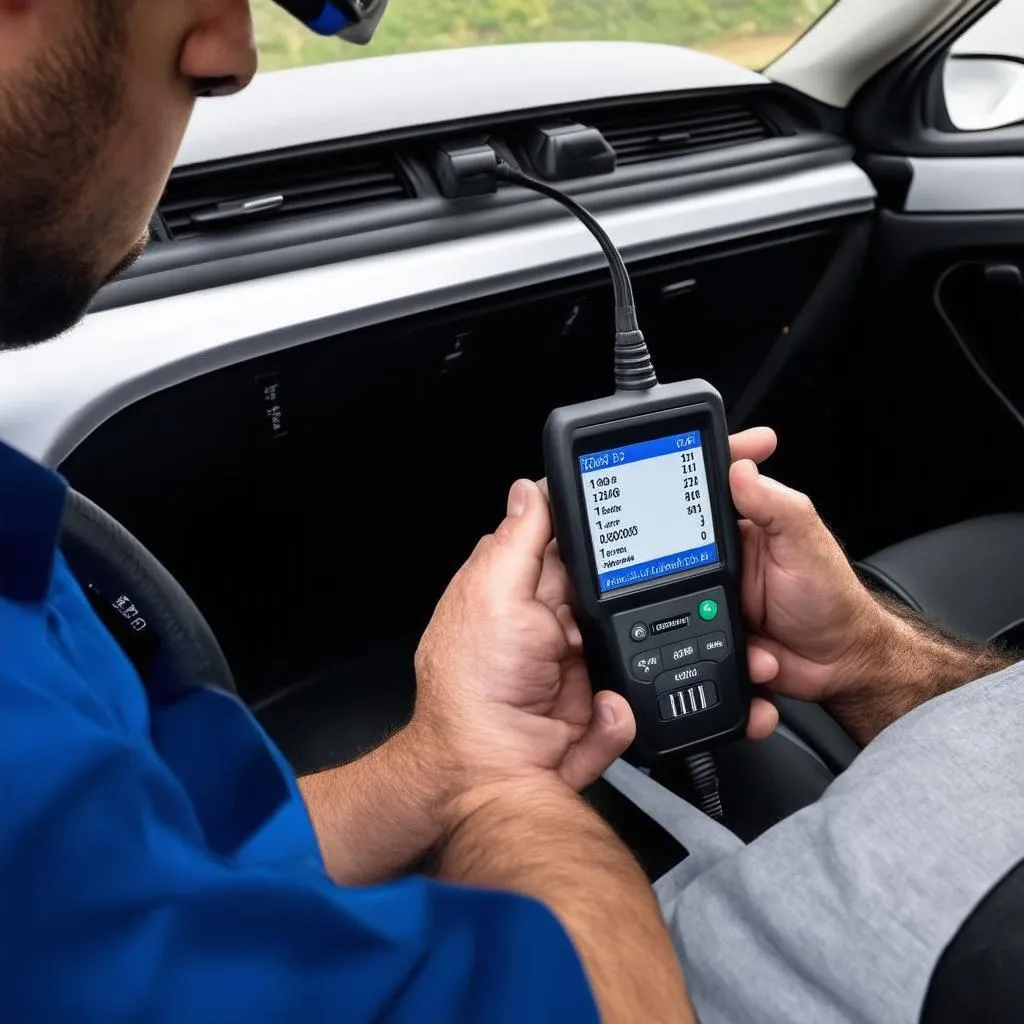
<point>708,610</point>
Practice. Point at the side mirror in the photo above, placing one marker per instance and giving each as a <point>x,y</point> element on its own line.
<point>983,92</point>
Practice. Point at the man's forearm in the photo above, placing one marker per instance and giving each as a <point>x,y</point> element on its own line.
<point>906,663</point>
<point>543,841</point>
<point>376,816</point>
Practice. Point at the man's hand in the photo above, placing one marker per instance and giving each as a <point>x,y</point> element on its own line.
<point>504,702</point>
<point>502,694</point>
<point>500,669</point>
<point>502,698</point>
<point>752,447</point>
<point>813,624</point>
<point>505,730</point>
<point>818,634</point>
<point>502,686</point>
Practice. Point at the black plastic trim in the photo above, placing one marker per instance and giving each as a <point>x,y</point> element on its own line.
<point>413,146</point>
<point>283,234</point>
<point>1007,141</point>
<point>902,109</point>
<point>821,320</point>
<point>905,238</point>
<point>210,261</point>
<point>892,177</point>
<point>433,205</point>
<point>812,113</point>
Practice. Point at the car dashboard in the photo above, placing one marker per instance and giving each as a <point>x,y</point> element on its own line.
<point>309,413</point>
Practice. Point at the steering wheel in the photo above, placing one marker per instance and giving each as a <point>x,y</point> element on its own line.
<point>155,622</point>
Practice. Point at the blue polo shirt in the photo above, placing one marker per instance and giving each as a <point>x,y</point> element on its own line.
<point>157,863</point>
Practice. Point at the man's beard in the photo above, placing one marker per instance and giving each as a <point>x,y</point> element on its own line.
<point>54,121</point>
<point>44,292</point>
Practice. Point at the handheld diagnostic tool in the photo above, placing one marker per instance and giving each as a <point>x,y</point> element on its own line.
<point>640,496</point>
<point>645,524</point>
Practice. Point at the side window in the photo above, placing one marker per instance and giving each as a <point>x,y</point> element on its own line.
<point>983,78</point>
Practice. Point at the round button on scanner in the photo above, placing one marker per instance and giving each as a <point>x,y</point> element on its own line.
<point>708,610</point>
<point>639,632</point>
<point>646,667</point>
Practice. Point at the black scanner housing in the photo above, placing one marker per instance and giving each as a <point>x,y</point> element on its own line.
<point>606,620</point>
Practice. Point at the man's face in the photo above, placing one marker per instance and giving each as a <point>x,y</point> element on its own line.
<point>94,99</point>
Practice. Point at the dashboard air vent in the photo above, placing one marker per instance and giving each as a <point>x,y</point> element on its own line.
<point>274,186</point>
<point>642,132</point>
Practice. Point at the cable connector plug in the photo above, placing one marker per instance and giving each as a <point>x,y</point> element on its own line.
<point>467,170</point>
<point>634,370</point>
<point>703,774</point>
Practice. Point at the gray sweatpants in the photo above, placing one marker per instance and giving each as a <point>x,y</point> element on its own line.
<point>841,912</point>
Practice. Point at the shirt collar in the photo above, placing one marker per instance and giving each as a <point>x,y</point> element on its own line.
<point>31,509</point>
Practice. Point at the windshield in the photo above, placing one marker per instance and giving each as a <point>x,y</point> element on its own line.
<point>747,32</point>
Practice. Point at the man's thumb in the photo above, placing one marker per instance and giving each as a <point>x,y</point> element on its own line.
<point>775,508</point>
<point>521,539</point>
<point>611,730</point>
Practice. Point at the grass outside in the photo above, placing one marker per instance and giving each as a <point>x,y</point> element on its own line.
<point>750,33</point>
<point>754,52</point>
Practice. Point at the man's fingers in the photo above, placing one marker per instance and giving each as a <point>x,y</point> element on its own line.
<point>573,637</point>
<point>756,444</point>
<point>553,588</point>
<point>764,719</point>
<point>764,716</point>
<point>611,730</point>
<point>762,664</point>
<point>777,509</point>
<point>517,551</point>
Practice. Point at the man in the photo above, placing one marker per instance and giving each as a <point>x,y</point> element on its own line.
<point>134,890</point>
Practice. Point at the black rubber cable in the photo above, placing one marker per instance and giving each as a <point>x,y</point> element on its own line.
<point>634,370</point>
<point>704,779</point>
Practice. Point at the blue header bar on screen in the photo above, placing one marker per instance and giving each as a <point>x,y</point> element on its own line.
<point>638,452</point>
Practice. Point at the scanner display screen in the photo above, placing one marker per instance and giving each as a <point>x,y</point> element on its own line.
<point>648,510</point>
